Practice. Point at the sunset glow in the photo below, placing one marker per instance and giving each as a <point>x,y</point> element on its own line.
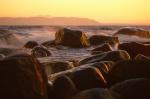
<point>105,11</point>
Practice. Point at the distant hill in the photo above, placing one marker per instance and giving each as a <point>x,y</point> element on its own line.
<point>47,21</point>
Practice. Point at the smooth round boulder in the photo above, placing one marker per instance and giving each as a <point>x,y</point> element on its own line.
<point>128,69</point>
<point>107,56</point>
<point>22,77</point>
<point>40,51</point>
<point>134,49</point>
<point>57,66</point>
<point>97,93</point>
<point>101,39</point>
<point>134,32</point>
<point>71,38</point>
<point>63,88</point>
<point>31,44</point>
<point>103,48</point>
<point>133,88</point>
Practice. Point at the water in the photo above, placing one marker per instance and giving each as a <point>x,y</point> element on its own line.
<point>47,33</point>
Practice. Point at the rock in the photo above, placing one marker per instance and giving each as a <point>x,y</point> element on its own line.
<point>83,77</point>
<point>133,89</point>
<point>142,57</point>
<point>107,56</point>
<point>134,32</point>
<point>129,69</point>
<point>7,51</point>
<point>57,66</point>
<point>40,51</point>
<point>2,56</point>
<point>71,38</point>
<point>134,49</point>
<point>49,43</point>
<point>101,39</point>
<point>22,77</point>
<point>31,44</point>
<point>97,93</point>
<point>103,48</point>
<point>63,88</point>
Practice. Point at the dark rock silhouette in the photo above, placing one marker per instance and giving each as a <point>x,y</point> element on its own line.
<point>97,93</point>
<point>133,89</point>
<point>101,39</point>
<point>71,38</point>
<point>63,88</point>
<point>22,77</point>
<point>134,49</point>
<point>107,56</point>
<point>129,69</point>
<point>40,51</point>
<point>31,44</point>
<point>134,31</point>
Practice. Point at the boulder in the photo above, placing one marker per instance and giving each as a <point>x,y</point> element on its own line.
<point>134,49</point>
<point>83,77</point>
<point>107,56</point>
<point>63,88</point>
<point>57,66</point>
<point>129,69</point>
<point>49,43</point>
<point>31,44</point>
<point>133,88</point>
<point>103,48</point>
<point>40,51</point>
<point>134,32</point>
<point>22,77</point>
<point>101,39</point>
<point>97,93</point>
<point>71,38</point>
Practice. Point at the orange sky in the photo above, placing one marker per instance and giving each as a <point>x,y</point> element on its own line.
<point>105,11</point>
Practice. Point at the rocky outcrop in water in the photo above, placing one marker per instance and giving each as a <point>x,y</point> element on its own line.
<point>134,32</point>
<point>22,77</point>
<point>31,44</point>
<point>101,39</point>
<point>71,38</point>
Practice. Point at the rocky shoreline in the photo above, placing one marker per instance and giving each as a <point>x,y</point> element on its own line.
<point>114,70</point>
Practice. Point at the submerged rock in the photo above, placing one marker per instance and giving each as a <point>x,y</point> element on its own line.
<point>71,38</point>
<point>133,89</point>
<point>129,69</point>
<point>134,49</point>
<point>22,77</point>
<point>134,32</point>
<point>31,44</point>
<point>107,56</point>
<point>40,51</point>
<point>101,39</point>
<point>97,93</point>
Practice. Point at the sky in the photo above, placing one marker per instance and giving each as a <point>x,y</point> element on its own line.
<point>105,11</point>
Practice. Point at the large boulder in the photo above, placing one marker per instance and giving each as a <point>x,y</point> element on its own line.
<point>133,89</point>
<point>129,69</point>
<point>101,39</point>
<point>57,66</point>
<point>97,93</point>
<point>107,56</point>
<point>40,51</point>
<point>63,88</point>
<point>71,38</point>
<point>134,49</point>
<point>134,32</point>
<point>22,77</point>
<point>31,44</point>
<point>83,77</point>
